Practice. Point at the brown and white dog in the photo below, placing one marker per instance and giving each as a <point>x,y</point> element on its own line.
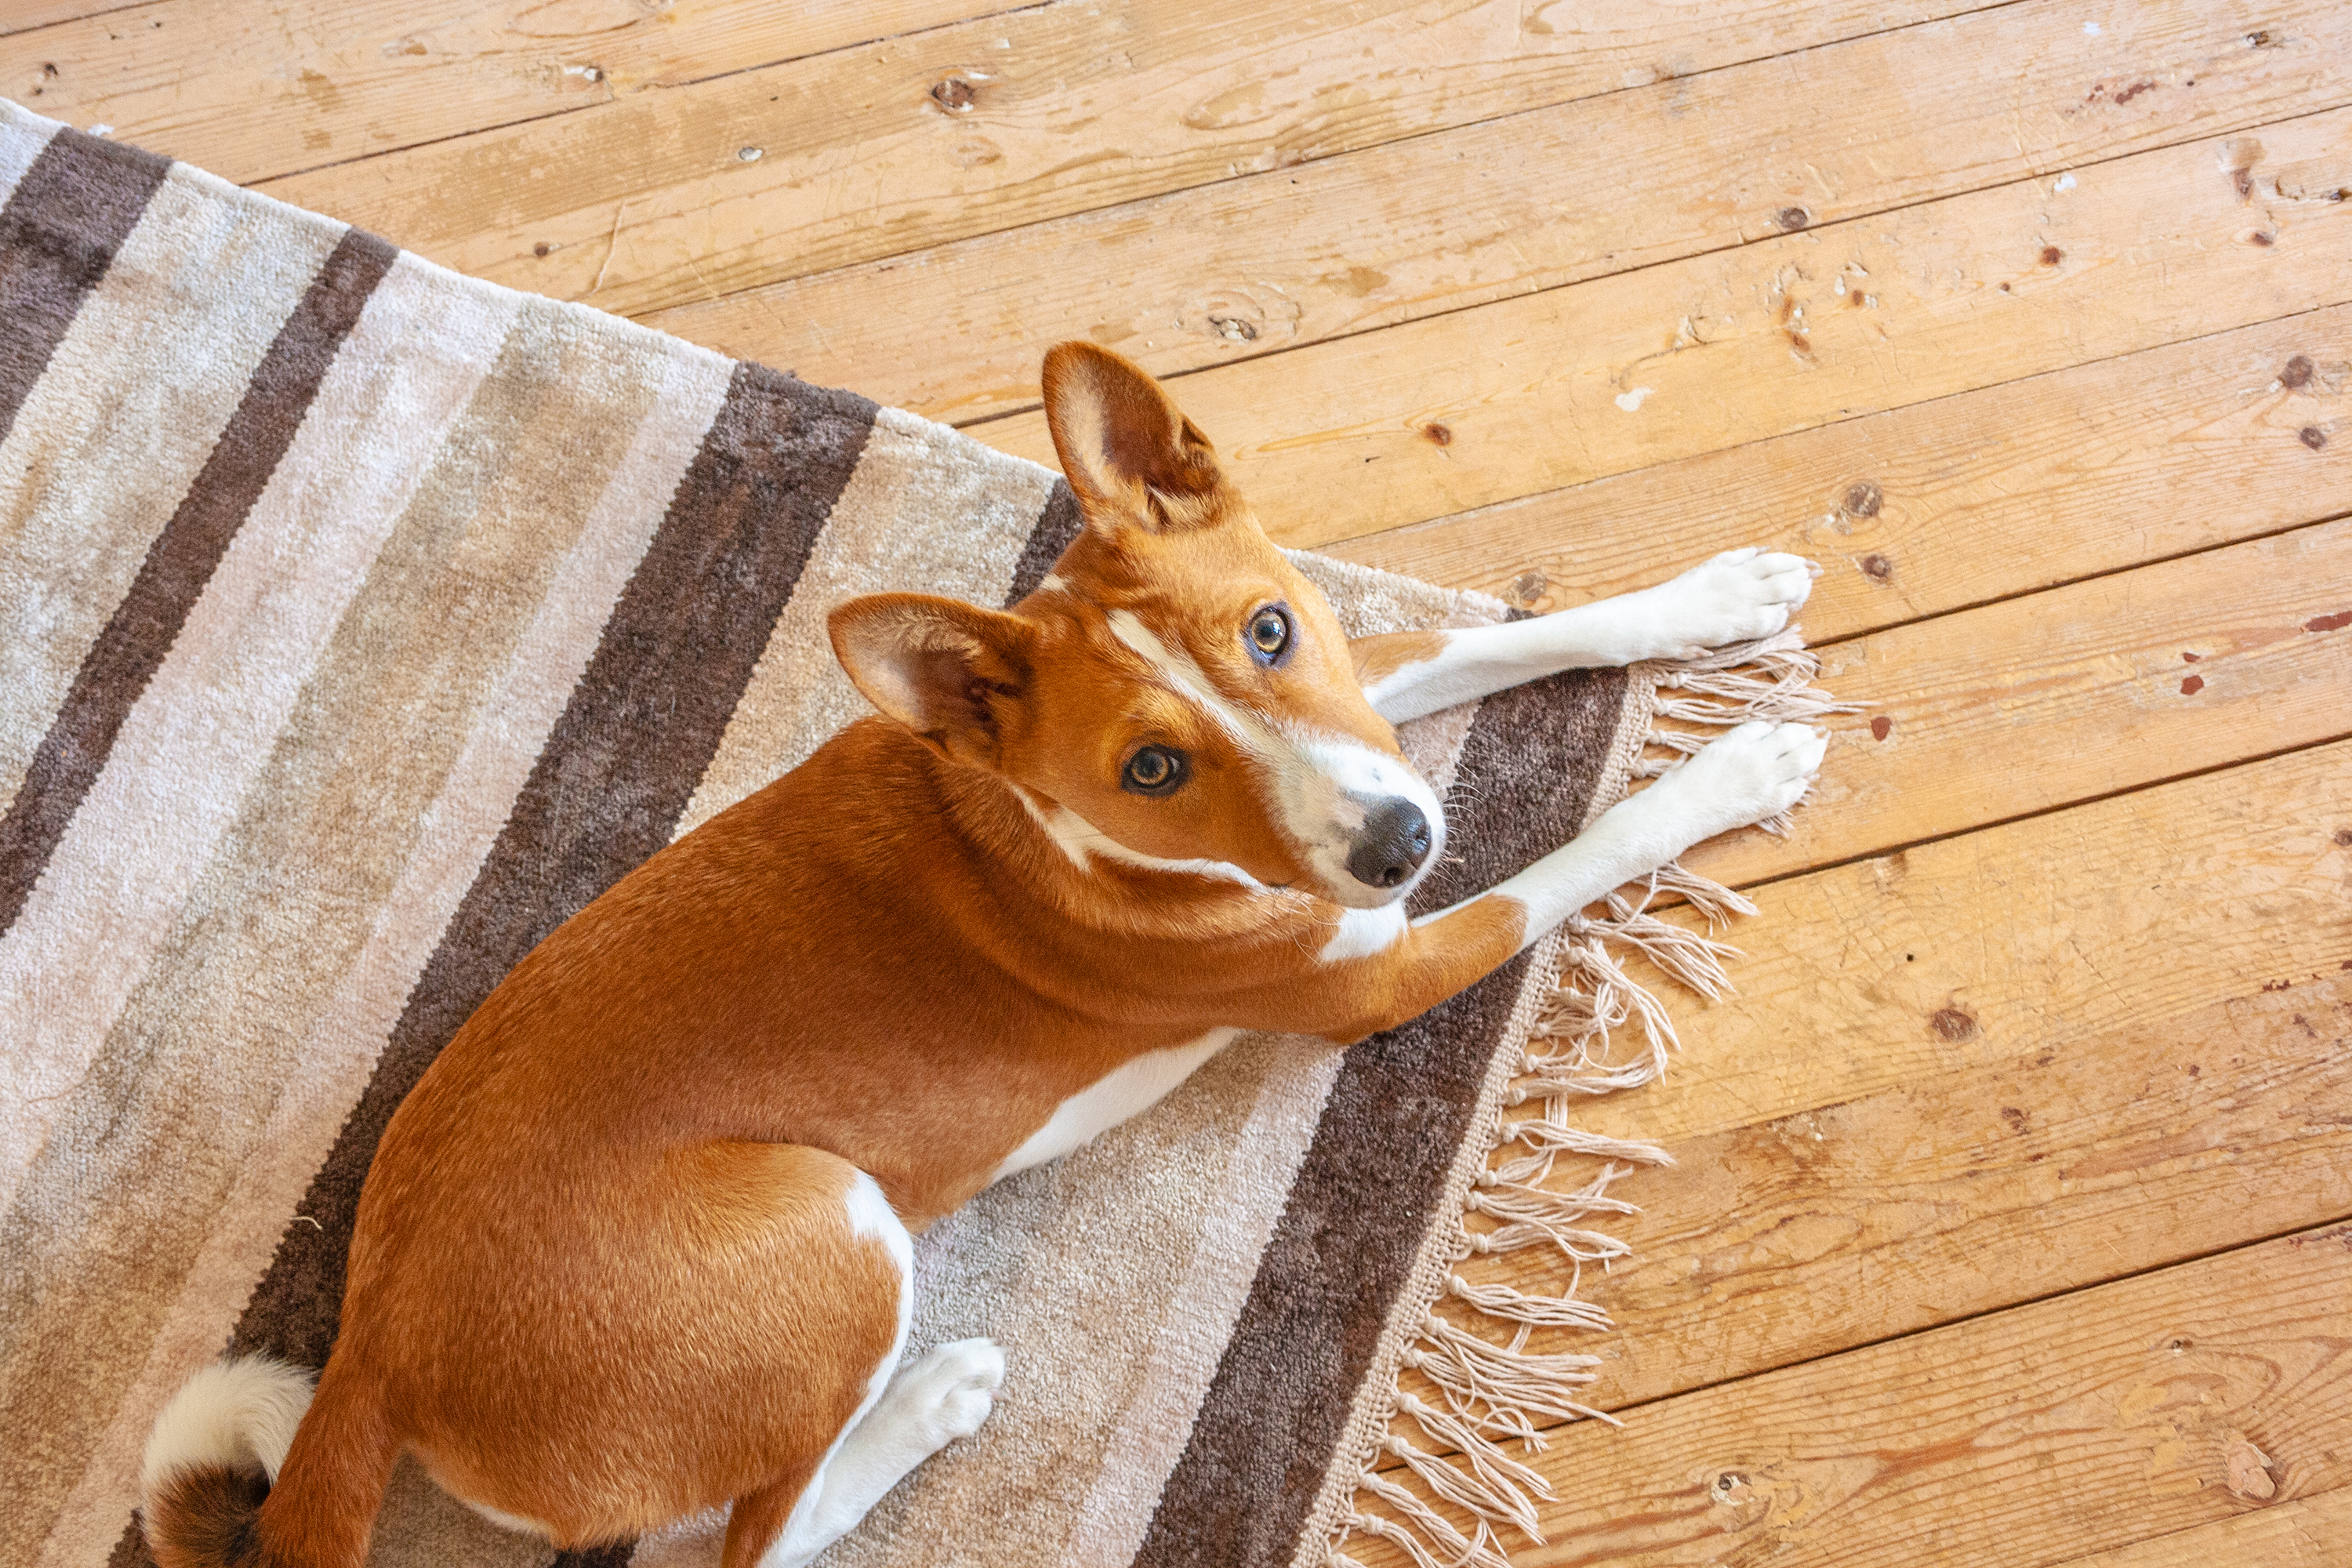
<point>662,1184</point>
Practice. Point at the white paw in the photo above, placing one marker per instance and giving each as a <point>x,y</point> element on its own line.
<point>1740,594</point>
<point>949,1392</point>
<point>1750,774</point>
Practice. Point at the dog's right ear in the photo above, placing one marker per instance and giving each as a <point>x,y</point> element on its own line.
<point>1130,455</point>
<point>951,672</point>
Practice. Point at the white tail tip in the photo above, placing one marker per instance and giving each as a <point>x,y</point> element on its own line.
<point>241,1413</point>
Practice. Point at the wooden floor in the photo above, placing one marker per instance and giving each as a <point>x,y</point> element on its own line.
<point>2010,1221</point>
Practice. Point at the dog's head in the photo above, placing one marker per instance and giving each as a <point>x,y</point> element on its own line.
<point>1175,693</point>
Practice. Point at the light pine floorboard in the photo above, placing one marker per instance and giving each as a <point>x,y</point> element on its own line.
<point>2012,1183</point>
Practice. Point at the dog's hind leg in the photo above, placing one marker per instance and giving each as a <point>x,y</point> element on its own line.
<point>1740,594</point>
<point>944,1396</point>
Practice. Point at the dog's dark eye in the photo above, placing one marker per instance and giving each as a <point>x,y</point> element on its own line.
<point>1155,770</point>
<point>1269,633</point>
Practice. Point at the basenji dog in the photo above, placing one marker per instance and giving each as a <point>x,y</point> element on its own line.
<point>637,1244</point>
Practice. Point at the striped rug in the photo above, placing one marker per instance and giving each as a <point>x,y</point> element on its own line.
<point>360,622</point>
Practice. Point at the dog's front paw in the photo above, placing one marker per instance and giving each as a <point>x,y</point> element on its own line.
<point>1750,774</point>
<point>950,1391</point>
<point>1740,594</point>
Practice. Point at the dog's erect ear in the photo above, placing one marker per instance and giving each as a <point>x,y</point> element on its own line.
<point>1130,454</point>
<point>951,672</point>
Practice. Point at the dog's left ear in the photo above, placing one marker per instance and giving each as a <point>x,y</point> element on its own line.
<point>1130,453</point>
<point>951,672</point>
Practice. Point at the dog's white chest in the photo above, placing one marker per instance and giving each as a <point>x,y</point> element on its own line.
<point>1124,1092</point>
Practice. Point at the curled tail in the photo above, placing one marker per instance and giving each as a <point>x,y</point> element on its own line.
<point>216,1456</point>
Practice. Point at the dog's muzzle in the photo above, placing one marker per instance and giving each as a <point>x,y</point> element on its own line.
<point>1392,844</point>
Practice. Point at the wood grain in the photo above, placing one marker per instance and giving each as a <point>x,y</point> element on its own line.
<point>649,201</point>
<point>1974,1190</point>
<point>1333,441</point>
<point>1949,1039</point>
<point>2062,697</point>
<point>1925,510</point>
<point>246,90</point>
<point>2308,1532</point>
<point>1535,200</point>
<point>2121,916</point>
<point>2047,1432</point>
<point>25,16</point>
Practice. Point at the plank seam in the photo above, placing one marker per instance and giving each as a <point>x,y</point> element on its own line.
<point>1871,215</point>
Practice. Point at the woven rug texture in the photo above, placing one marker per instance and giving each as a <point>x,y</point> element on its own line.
<point>360,622</point>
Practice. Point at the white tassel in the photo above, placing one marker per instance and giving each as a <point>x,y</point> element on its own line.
<point>1598,1032</point>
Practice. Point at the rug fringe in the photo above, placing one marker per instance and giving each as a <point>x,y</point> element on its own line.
<point>1492,1393</point>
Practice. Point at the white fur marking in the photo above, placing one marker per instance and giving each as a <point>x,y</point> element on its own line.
<point>813,1525</point>
<point>1076,838</point>
<point>1178,668</point>
<point>241,1413</point>
<point>1363,932</point>
<point>503,1519</point>
<point>1127,1090</point>
<point>1362,777</point>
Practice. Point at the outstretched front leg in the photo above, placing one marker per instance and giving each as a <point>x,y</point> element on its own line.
<point>1740,594</point>
<point>1371,981</point>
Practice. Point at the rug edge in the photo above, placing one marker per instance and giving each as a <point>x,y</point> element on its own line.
<point>1496,1489</point>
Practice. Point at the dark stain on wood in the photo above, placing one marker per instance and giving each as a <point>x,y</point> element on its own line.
<point>1881,727</point>
<point>2334,622</point>
<point>1863,498</point>
<point>2052,255</point>
<point>2313,437</point>
<point>1878,568</point>
<point>1791,219</point>
<point>2192,686</point>
<point>954,94</point>
<point>1439,435</point>
<point>2297,372</point>
<point>1951,1024</point>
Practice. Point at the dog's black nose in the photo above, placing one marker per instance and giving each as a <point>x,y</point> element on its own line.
<point>1392,845</point>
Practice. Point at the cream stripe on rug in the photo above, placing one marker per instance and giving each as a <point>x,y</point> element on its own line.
<point>198,734</point>
<point>132,403</point>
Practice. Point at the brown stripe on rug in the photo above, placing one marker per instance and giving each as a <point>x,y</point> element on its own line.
<point>1057,528</point>
<point>58,234</point>
<point>180,562</point>
<point>1371,1186</point>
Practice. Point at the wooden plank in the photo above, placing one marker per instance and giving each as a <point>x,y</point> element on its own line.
<point>2075,1424</point>
<point>1924,510</point>
<point>1346,438</point>
<point>2308,1532</point>
<point>2062,697</point>
<point>24,16</point>
<point>247,90</point>
<point>2121,916</point>
<point>1972,1191</point>
<point>1275,261</point>
<point>1891,1014</point>
<point>650,200</point>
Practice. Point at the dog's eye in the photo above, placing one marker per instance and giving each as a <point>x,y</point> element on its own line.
<point>1269,633</point>
<point>1155,770</point>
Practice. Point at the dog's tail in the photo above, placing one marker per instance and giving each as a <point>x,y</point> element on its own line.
<point>210,1491</point>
